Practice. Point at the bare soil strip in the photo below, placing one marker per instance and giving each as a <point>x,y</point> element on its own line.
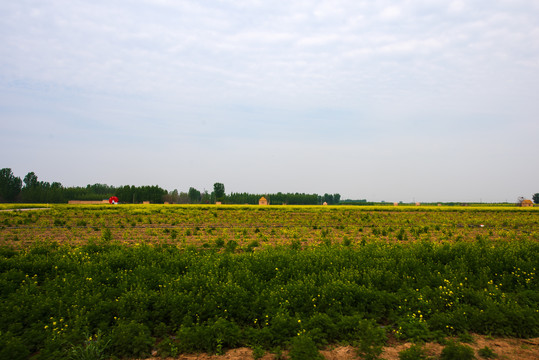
<point>505,349</point>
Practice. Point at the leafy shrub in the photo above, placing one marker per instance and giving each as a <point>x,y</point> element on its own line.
<point>348,327</point>
<point>94,348</point>
<point>131,339</point>
<point>278,353</point>
<point>321,328</point>
<point>258,352</point>
<point>302,347</point>
<point>414,352</point>
<point>371,340</point>
<point>219,242</point>
<point>487,353</point>
<point>414,329</point>
<point>106,235</point>
<point>231,246</point>
<point>282,328</point>
<point>59,222</point>
<point>168,347</point>
<point>212,337</point>
<point>252,245</point>
<point>466,337</point>
<point>12,347</point>
<point>454,351</point>
<point>295,244</point>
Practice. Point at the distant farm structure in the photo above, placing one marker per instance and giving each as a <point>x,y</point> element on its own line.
<point>263,201</point>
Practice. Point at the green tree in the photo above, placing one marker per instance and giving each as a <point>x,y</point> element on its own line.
<point>183,198</point>
<point>219,190</point>
<point>194,196</point>
<point>328,198</point>
<point>535,198</point>
<point>10,185</point>
<point>31,192</point>
<point>172,197</point>
<point>205,197</point>
<point>30,180</point>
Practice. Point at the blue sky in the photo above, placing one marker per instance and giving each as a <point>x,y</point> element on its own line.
<point>385,100</point>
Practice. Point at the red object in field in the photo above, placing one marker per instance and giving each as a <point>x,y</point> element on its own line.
<point>113,200</point>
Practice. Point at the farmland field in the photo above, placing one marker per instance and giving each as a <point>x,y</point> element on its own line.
<point>310,225</point>
<point>128,279</point>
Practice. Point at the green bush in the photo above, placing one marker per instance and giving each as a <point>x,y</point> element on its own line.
<point>93,348</point>
<point>106,235</point>
<point>371,340</point>
<point>131,339</point>
<point>219,243</point>
<point>349,327</point>
<point>258,352</point>
<point>295,244</point>
<point>454,351</point>
<point>302,347</point>
<point>466,337</point>
<point>168,348</point>
<point>252,245</point>
<point>487,353</point>
<point>213,337</point>
<point>414,352</point>
<point>231,246</point>
<point>321,328</point>
<point>12,347</point>
<point>414,329</point>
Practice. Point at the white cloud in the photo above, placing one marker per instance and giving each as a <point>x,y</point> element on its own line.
<point>390,13</point>
<point>457,6</point>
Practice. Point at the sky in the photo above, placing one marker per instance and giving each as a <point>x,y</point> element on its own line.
<point>416,100</point>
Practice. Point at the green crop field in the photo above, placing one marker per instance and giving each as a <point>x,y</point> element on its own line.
<point>124,280</point>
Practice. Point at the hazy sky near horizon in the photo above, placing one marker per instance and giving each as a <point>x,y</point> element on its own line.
<point>377,100</point>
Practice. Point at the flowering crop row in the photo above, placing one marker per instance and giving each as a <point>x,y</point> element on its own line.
<point>56,297</point>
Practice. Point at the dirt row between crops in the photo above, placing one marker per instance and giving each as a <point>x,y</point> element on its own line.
<point>25,209</point>
<point>504,348</point>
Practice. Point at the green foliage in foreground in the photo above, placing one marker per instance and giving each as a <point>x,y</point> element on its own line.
<point>54,300</point>
<point>455,351</point>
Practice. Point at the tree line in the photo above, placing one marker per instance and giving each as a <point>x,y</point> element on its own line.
<point>31,190</point>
